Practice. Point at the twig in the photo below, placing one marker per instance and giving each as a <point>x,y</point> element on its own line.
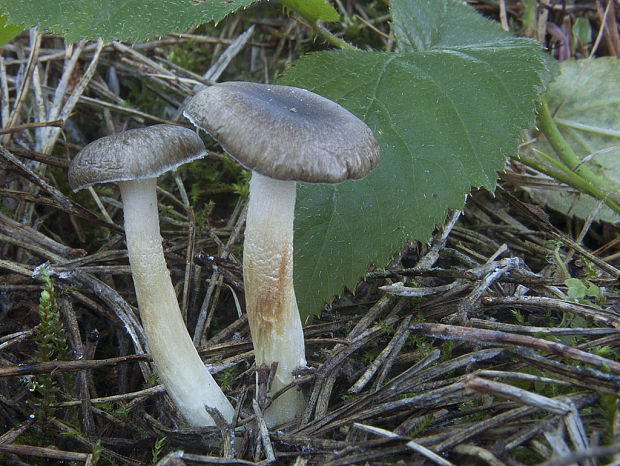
<point>431,455</point>
<point>588,453</point>
<point>396,342</point>
<point>519,376</point>
<point>5,106</point>
<point>191,240</point>
<point>225,431</point>
<point>63,202</point>
<point>52,133</point>
<point>168,460</point>
<point>576,430</point>
<point>115,301</point>
<point>52,453</point>
<point>222,62</point>
<point>204,318</point>
<point>503,19</point>
<point>264,432</point>
<point>326,375</point>
<point>552,231</point>
<point>27,234</point>
<point>137,114</point>
<point>68,366</point>
<point>481,385</point>
<point>220,65</point>
<point>399,289</point>
<point>13,434</point>
<point>452,332</point>
<point>16,268</point>
<point>150,68</point>
<point>40,157</point>
<point>90,444</point>
<point>564,306</point>
<point>61,89</point>
<point>116,398</point>
<point>35,40</point>
<point>480,427</point>
<point>15,129</point>
<point>14,338</point>
<point>414,377</point>
<point>37,179</point>
<point>530,330</point>
<point>482,454</point>
<point>88,422</point>
<point>439,242</point>
<point>468,304</point>
<point>577,375</point>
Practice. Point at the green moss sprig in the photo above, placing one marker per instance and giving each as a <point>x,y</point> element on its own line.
<point>51,341</point>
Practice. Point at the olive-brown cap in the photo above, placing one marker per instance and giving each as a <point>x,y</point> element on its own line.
<point>285,132</point>
<point>134,154</point>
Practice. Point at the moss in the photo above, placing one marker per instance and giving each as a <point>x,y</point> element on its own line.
<point>51,345</point>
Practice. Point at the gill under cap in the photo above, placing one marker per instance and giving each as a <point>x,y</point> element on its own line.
<point>134,154</point>
<point>285,132</point>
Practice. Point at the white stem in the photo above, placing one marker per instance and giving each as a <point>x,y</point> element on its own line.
<point>178,365</point>
<point>269,294</point>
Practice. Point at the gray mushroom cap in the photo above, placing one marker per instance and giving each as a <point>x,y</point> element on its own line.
<point>285,132</point>
<point>134,154</point>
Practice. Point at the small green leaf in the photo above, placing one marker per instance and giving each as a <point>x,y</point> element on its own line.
<point>8,31</point>
<point>595,292</point>
<point>444,111</point>
<point>518,316</point>
<point>582,32</point>
<point>589,120</point>
<point>134,20</point>
<point>313,10</point>
<point>576,288</point>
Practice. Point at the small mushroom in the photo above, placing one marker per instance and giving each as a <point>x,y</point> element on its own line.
<point>134,159</point>
<point>284,135</point>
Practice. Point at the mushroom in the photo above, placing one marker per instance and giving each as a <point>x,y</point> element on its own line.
<point>284,135</point>
<point>134,159</point>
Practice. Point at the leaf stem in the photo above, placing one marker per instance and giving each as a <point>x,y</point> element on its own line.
<point>565,151</point>
<point>336,41</point>
<point>528,18</point>
<point>561,173</point>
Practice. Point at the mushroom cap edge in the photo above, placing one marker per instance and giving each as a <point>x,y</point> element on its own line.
<point>134,154</point>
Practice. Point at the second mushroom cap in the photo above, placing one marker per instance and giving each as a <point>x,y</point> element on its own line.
<point>134,154</point>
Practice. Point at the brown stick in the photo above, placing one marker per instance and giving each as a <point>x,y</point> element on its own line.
<point>453,332</point>
<point>68,366</point>
<point>44,452</point>
<point>41,157</point>
<point>15,129</point>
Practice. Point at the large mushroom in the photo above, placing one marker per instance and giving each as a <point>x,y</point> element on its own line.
<point>133,160</point>
<point>284,135</point>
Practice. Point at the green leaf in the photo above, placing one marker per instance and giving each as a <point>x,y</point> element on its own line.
<point>444,119</point>
<point>7,31</point>
<point>313,10</point>
<point>582,32</point>
<point>589,120</point>
<point>420,25</point>
<point>134,20</point>
<point>576,288</point>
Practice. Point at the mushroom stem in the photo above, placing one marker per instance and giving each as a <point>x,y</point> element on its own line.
<point>270,297</point>
<point>178,365</point>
